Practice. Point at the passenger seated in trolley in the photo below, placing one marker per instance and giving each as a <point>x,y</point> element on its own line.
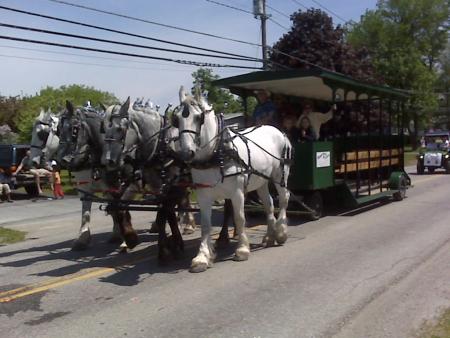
<point>316,118</point>
<point>264,112</point>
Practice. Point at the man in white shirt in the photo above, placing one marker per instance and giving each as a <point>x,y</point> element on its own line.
<point>316,118</point>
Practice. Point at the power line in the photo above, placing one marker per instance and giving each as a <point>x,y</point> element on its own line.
<point>81,55</point>
<point>229,6</point>
<point>85,37</point>
<point>118,31</point>
<point>153,22</point>
<point>277,11</point>
<point>278,24</point>
<point>330,11</point>
<point>300,4</point>
<point>85,63</point>
<point>180,61</point>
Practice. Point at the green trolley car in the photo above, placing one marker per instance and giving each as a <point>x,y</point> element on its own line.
<point>345,168</point>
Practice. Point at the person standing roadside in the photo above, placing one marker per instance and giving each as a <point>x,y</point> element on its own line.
<point>4,187</point>
<point>57,186</point>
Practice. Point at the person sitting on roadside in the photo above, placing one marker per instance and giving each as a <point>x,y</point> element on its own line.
<point>264,113</point>
<point>307,133</point>
<point>316,118</point>
<point>5,190</point>
<point>27,165</point>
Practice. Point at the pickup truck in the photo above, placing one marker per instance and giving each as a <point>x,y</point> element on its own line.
<point>10,157</point>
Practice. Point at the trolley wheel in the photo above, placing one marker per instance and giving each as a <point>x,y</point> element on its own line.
<point>431,170</point>
<point>401,193</point>
<point>315,202</point>
<point>420,168</point>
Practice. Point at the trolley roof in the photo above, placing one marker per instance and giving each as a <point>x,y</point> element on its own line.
<point>315,84</point>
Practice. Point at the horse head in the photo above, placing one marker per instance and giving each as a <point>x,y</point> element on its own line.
<point>44,140</point>
<point>115,129</point>
<point>189,118</point>
<point>67,131</point>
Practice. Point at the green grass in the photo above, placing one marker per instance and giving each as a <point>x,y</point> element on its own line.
<point>440,329</point>
<point>8,236</point>
<point>410,156</point>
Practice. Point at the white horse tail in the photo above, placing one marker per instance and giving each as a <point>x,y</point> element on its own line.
<point>286,161</point>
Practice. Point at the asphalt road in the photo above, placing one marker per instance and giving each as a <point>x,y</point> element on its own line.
<point>379,273</point>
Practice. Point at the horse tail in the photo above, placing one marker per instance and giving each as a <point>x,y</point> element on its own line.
<point>286,160</point>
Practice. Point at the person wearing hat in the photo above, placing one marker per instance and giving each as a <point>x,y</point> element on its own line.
<point>264,112</point>
<point>4,187</point>
<point>57,187</point>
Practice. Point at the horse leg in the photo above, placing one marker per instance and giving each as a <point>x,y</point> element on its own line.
<point>84,235</point>
<point>176,242</point>
<point>243,249</point>
<point>206,255</point>
<point>116,236</point>
<point>224,237</point>
<point>266,199</point>
<point>129,234</point>
<point>186,218</point>
<point>163,245</point>
<point>281,223</point>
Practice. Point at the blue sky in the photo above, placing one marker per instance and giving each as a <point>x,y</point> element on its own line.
<point>137,77</point>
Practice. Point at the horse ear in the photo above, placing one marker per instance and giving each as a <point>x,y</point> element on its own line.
<point>182,94</point>
<point>124,108</point>
<point>69,107</point>
<point>41,115</point>
<point>197,93</point>
<point>102,106</point>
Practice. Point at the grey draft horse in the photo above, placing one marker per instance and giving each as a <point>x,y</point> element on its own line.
<point>44,138</point>
<point>132,141</point>
<point>80,149</point>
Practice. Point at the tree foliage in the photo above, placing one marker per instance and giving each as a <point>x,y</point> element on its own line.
<point>314,39</point>
<point>405,39</point>
<point>55,99</point>
<point>221,99</point>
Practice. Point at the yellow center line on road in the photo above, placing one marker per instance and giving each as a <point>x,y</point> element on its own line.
<point>11,295</point>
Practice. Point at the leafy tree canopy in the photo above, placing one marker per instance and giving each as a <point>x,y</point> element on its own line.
<point>55,100</point>
<point>314,39</point>
<point>405,39</point>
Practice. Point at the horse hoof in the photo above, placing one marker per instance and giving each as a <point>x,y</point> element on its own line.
<point>198,267</point>
<point>79,246</point>
<point>268,242</point>
<point>241,254</point>
<point>123,250</point>
<point>188,230</point>
<point>131,239</point>
<point>153,229</point>
<point>281,238</point>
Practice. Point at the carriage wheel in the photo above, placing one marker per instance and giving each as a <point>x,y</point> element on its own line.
<point>402,186</point>
<point>315,202</point>
<point>32,190</point>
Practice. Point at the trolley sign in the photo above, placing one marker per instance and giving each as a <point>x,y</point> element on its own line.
<point>323,159</point>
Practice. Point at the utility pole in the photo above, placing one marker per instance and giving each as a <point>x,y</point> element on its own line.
<point>259,10</point>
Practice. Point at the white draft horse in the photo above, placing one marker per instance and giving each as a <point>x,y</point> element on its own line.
<point>254,156</point>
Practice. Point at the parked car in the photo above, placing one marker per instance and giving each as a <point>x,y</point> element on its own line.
<point>435,154</point>
<point>10,157</point>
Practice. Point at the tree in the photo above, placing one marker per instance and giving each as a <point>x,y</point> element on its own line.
<point>221,99</point>
<point>404,38</point>
<point>314,39</point>
<point>54,99</point>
